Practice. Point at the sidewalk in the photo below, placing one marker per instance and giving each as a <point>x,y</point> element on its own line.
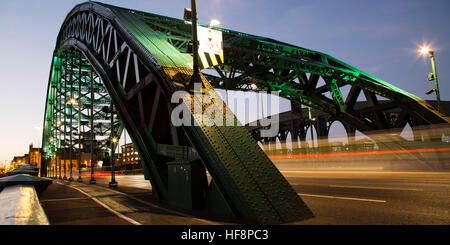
<point>74,203</point>
<point>67,206</point>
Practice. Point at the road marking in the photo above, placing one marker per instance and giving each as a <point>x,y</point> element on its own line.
<point>143,202</point>
<point>376,187</point>
<point>132,221</point>
<point>65,199</point>
<point>161,208</point>
<point>343,198</point>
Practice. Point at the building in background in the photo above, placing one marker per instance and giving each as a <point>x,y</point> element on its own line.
<point>129,158</point>
<point>19,160</point>
<point>34,155</point>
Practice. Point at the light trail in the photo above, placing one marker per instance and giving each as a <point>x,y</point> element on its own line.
<point>340,154</point>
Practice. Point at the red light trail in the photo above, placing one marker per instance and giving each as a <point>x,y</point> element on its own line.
<point>340,154</point>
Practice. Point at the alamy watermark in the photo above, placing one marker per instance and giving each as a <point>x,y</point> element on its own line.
<point>208,109</point>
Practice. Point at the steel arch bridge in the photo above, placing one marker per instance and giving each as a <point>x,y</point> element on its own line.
<point>116,68</point>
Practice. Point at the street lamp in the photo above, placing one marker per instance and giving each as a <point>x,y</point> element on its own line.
<point>113,182</point>
<point>114,140</point>
<point>311,121</point>
<point>191,15</point>
<point>214,22</point>
<point>424,50</point>
<point>72,101</point>
<point>254,86</point>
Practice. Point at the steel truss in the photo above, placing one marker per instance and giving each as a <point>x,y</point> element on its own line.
<point>140,59</point>
<point>140,70</point>
<point>307,78</point>
<point>67,124</point>
<point>313,79</point>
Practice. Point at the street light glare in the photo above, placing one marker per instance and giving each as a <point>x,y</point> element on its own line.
<point>424,50</point>
<point>253,85</point>
<point>214,22</point>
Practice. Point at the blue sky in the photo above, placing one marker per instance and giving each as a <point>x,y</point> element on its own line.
<point>379,37</point>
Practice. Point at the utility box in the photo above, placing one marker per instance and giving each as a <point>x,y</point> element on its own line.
<point>187,184</point>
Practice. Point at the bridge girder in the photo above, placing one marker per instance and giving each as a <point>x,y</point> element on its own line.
<point>140,69</point>
<point>295,73</point>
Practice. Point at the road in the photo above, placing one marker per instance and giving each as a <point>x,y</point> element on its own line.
<point>360,197</point>
<point>374,198</point>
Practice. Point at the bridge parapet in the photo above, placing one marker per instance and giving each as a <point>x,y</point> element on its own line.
<point>19,205</point>
<point>19,202</point>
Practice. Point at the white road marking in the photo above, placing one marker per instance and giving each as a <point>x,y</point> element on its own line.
<point>161,208</point>
<point>141,201</point>
<point>132,221</point>
<point>376,187</point>
<point>342,198</point>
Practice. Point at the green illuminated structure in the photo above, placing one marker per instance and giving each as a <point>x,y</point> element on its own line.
<point>139,60</point>
<point>67,118</point>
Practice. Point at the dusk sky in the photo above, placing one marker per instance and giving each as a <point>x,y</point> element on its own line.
<point>378,37</point>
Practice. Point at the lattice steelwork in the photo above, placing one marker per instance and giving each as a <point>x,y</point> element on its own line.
<point>142,59</point>
<point>68,119</point>
<point>306,78</point>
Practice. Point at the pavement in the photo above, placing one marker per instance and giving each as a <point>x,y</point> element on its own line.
<point>80,203</point>
<point>67,206</point>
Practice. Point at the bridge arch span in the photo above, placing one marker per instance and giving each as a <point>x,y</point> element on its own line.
<point>115,49</point>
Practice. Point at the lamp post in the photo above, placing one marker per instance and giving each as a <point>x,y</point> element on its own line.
<point>311,121</point>
<point>195,37</point>
<point>72,102</point>
<point>113,182</point>
<point>433,76</point>
<point>80,75</point>
<point>78,102</point>
<point>191,15</point>
<point>92,180</point>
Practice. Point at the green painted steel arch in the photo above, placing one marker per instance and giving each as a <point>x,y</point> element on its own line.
<point>141,70</point>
